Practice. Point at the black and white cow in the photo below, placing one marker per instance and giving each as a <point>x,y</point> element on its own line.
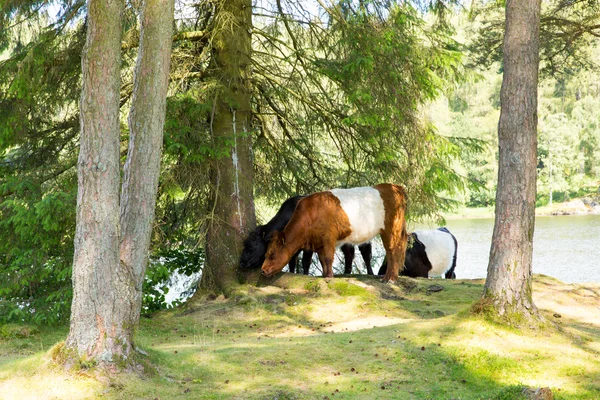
<point>255,245</point>
<point>432,254</point>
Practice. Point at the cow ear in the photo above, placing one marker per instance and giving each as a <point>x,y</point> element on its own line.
<point>279,238</point>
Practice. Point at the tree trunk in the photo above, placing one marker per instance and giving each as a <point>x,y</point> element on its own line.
<point>146,123</point>
<point>107,293</point>
<point>508,284</point>
<point>233,204</point>
<point>99,286</point>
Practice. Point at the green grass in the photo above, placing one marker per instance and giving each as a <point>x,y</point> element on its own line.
<point>471,212</point>
<point>345,338</point>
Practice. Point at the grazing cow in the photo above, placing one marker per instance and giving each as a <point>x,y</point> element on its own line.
<point>255,245</point>
<point>257,241</point>
<point>433,254</point>
<point>327,219</point>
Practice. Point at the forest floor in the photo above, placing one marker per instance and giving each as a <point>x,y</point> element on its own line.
<point>346,338</point>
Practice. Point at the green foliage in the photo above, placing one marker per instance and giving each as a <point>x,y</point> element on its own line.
<point>568,140</point>
<point>185,171</point>
<point>186,131</point>
<point>474,122</point>
<point>388,69</point>
<point>338,104</point>
<point>39,129</point>
<point>13,331</point>
<point>39,82</point>
<point>350,111</point>
<point>567,35</point>
<point>567,124</point>
<point>36,253</point>
<point>568,143</point>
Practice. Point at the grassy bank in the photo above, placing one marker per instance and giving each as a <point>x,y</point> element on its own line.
<point>343,339</point>
<point>471,212</point>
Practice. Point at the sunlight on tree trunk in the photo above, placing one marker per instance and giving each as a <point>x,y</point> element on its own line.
<point>508,284</point>
<point>232,175</point>
<point>146,123</point>
<point>97,321</point>
<point>107,293</point>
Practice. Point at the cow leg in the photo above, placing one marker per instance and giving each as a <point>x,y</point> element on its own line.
<point>365,251</point>
<point>326,264</point>
<point>326,257</point>
<point>348,250</point>
<point>292,263</point>
<point>450,273</point>
<point>393,265</point>
<point>395,247</point>
<point>383,268</point>
<point>306,261</point>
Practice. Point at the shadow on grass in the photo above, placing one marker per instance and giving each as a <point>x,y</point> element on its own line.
<point>409,294</point>
<point>388,362</point>
<point>266,348</point>
<point>39,341</point>
<point>405,360</point>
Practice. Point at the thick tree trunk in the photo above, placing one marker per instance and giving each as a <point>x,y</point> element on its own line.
<point>146,123</point>
<point>99,286</point>
<point>233,215</point>
<point>107,282</point>
<point>508,284</point>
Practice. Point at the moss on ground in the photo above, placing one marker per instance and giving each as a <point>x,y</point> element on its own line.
<point>345,338</point>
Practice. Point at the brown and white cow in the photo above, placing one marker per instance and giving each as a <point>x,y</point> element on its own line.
<point>324,220</point>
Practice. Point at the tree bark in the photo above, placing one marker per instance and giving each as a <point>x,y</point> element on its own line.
<point>97,325</point>
<point>142,168</point>
<point>111,253</point>
<point>233,204</point>
<point>508,284</point>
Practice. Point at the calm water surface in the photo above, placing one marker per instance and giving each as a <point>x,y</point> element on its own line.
<point>565,247</point>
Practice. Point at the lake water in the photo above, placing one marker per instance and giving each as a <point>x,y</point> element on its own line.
<point>564,247</point>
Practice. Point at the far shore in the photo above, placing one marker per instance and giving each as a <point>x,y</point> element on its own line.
<point>572,207</point>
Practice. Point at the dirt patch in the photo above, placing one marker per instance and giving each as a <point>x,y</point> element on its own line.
<point>364,323</point>
<point>573,301</point>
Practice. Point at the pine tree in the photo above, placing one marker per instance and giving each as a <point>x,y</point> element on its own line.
<point>111,253</point>
<point>508,284</point>
<point>98,328</point>
<point>232,215</point>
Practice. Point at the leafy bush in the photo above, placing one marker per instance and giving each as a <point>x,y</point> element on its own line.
<point>11,331</point>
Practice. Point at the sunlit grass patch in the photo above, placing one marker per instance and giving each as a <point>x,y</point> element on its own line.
<point>345,288</point>
<point>350,338</point>
<point>35,377</point>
